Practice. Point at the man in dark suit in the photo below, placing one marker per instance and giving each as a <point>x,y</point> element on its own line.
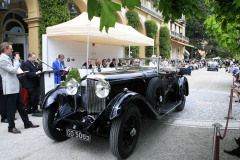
<point>3,104</point>
<point>104,63</point>
<point>120,63</point>
<point>32,83</point>
<point>11,88</point>
<point>84,66</point>
<point>113,63</point>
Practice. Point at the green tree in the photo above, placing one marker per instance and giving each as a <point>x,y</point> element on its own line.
<point>227,38</point>
<point>133,20</point>
<point>226,11</point>
<point>53,12</point>
<point>196,28</point>
<point>226,14</point>
<point>214,50</point>
<point>164,40</point>
<point>151,31</point>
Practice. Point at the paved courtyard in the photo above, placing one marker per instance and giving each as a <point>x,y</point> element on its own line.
<point>185,135</point>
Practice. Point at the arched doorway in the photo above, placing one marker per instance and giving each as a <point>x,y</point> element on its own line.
<point>16,31</point>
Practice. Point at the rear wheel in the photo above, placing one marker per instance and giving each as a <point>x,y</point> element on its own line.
<point>125,132</point>
<point>55,134</point>
<point>155,94</point>
<point>183,99</point>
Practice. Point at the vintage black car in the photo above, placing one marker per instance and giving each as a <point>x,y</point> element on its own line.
<point>112,103</point>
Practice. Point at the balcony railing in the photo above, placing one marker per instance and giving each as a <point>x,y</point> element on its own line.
<point>147,6</point>
<point>178,35</point>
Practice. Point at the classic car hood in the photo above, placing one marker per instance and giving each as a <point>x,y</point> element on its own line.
<point>125,75</point>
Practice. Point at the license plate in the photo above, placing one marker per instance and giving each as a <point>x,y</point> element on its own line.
<point>78,134</point>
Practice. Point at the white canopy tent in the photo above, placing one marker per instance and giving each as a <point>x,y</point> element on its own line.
<point>79,28</point>
<point>80,38</point>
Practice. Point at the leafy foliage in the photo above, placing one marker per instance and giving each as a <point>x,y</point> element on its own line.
<point>151,31</point>
<point>226,11</point>
<point>174,9</point>
<point>227,38</point>
<point>106,12</point>
<point>73,73</point>
<point>196,28</point>
<point>134,50</point>
<point>164,40</point>
<point>131,4</point>
<point>133,20</point>
<point>213,50</point>
<point>53,12</point>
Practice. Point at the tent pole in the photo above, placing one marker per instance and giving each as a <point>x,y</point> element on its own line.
<point>129,50</point>
<point>153,49</point>
<point>87,51</point>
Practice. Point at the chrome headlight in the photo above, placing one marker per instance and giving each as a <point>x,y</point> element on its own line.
<point>72,87</point>
<point>102,88</point>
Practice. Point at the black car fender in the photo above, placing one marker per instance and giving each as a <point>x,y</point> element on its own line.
<point>120,103</point>
<point>56,95</point>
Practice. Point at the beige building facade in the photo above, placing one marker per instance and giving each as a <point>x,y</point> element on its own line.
<point>20,24</point>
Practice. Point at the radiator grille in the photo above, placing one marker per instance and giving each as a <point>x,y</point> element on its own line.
<point>92,103</point>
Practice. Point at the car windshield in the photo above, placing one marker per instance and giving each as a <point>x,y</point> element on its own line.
<point>147,63</point>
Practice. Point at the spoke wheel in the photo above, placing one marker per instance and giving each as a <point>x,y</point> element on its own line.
<point>155,94</point>
<point>125,132</point>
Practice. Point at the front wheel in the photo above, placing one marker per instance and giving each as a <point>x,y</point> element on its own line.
<point>55,134</point>
<point>125,132</point>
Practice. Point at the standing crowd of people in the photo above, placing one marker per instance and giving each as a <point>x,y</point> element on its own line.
<point>102,64</point>
<point>20,85</point>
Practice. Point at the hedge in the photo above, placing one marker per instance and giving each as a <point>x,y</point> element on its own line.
<point>164,40</point>
<point>53,12</point>
<point>73,73</point>
<point>151,31</point>
<point>133,20</point>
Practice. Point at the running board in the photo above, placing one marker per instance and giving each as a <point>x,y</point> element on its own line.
<point>168,108</point>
